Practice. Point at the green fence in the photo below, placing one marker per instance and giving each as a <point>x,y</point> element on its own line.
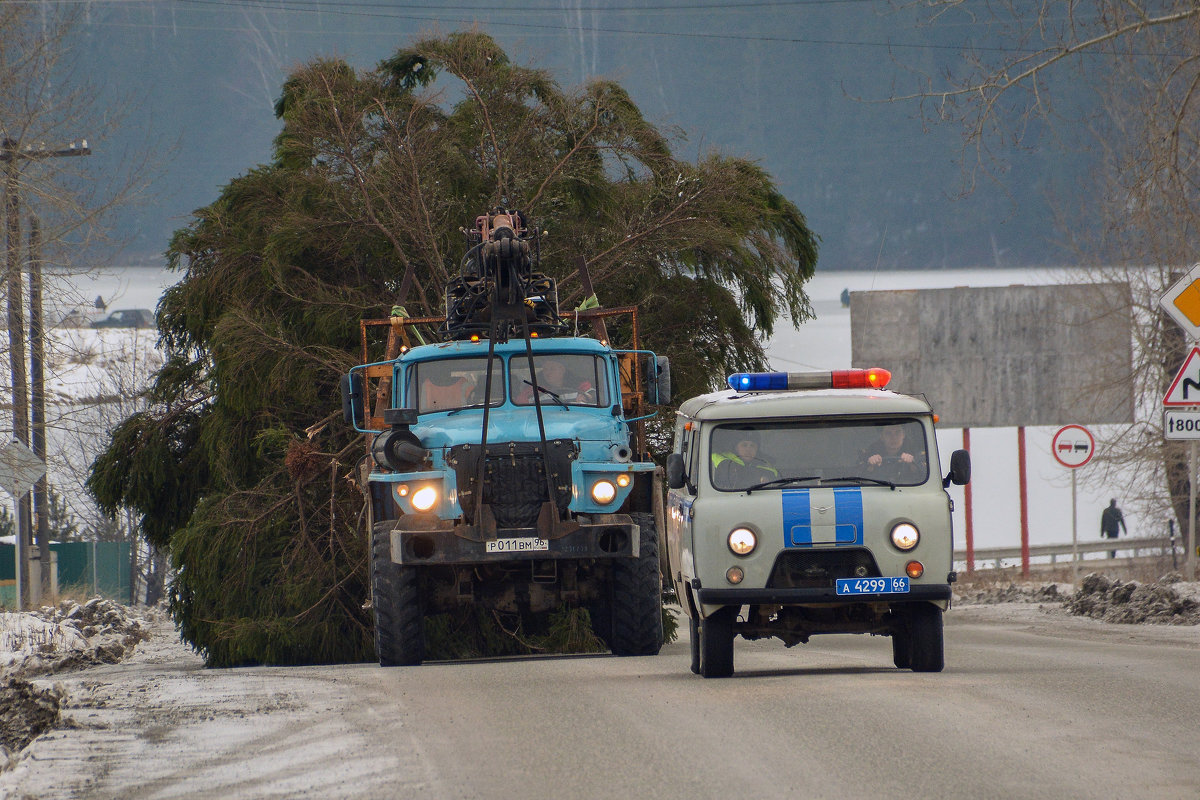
<point>84,568</point>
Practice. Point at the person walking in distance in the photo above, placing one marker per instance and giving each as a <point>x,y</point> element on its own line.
<point>1110,520</point>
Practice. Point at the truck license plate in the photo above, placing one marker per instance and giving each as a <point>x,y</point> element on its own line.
<point>517,545</point>
<point>872,585</point>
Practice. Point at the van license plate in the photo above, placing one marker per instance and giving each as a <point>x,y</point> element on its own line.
<point>872,585</point>
<point>517,545</point>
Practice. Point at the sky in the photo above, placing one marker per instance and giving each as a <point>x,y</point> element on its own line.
<point>801,86</point>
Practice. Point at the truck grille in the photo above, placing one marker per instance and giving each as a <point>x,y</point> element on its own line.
<point>514,479</point>
<point>818,569</point>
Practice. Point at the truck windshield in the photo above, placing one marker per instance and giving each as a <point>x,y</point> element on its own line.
<point>453,383</point>
<point>795,454</point>
<point>565,378</point>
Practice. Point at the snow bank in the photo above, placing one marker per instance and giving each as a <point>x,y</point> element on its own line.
<point>55,638</point>
<point>66,636</point>
<point>1167,601</point>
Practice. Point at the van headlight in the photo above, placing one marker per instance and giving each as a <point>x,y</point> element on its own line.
<point>905,536</point>
<point>424,498</point>
<point>603,492</point>
<point>742,541</point>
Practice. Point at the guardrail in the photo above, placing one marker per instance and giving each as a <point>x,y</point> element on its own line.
<point>1155,545</point>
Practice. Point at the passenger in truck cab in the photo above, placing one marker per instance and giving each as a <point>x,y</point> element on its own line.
<point>441,390</point>
<point>891,458</point>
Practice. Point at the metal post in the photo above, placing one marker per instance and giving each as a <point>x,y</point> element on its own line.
<point>1191,555</point>
<point>970,530</point>
<point>1074,534</point>
<point>1024,502</point>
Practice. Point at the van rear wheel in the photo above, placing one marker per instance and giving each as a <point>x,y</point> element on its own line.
<point>694,630</point>
<point>901,648</point>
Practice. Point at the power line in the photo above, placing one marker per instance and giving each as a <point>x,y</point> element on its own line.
<point>321,7</point>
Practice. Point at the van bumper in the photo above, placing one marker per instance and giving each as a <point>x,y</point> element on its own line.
<point>921,593</point>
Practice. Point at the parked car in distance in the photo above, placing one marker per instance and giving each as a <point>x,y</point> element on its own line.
<point>127,318</point>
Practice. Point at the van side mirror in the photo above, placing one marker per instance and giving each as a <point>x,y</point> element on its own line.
<point>675,478</point>
<point>352,397</point>
<point>960,469</point>
<point>658,381</point>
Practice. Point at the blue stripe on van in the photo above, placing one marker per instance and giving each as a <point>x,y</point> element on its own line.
<point>797,518</point>
<point>848,507</point>
<point>847,522</point>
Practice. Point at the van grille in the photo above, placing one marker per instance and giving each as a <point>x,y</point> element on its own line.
<point>818,569</point>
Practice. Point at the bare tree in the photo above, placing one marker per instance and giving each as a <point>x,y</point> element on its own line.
<point>1141,218</point>
<point>55,206</point>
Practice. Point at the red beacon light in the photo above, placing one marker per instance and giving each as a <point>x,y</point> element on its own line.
<point>873,378</point>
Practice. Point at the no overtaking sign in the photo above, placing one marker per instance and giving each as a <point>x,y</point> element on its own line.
<point>1073,446</point>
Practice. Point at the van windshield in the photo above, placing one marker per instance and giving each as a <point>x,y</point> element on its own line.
<point>780,455</point>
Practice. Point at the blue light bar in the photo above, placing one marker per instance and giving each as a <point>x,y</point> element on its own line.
<point>758,381</point>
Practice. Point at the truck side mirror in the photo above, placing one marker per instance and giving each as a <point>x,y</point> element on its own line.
<point>675,478</point>
<point>352,398</point>
<point>658,381</point>
<point>960,469</point>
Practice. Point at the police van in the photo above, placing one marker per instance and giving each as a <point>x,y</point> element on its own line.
<point>806,503</point>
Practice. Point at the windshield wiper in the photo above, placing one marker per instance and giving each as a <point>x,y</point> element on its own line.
<point>465,408</point>
<point>878,481</point>
<point>781,482</point>
<point>557,399</point>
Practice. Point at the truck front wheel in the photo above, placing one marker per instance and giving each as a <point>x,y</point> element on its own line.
<point>396,602</point>
<point>637,597</point>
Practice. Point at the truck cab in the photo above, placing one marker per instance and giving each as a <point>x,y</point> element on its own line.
<point>806,503</point>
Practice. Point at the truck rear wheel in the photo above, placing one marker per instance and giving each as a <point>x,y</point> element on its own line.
<point>396,602</point>
<point>716,643</point>
<point>927,649</point>
<point>637,597</point>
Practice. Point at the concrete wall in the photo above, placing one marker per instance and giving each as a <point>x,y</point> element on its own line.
<point>1003,356</point>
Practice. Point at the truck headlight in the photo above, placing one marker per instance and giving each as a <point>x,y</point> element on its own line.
<point>905,536</point>
<point>424,498</point>
<point>603,492</point>
<point>742,541</point>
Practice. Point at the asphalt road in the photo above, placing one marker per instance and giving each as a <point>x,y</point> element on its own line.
<point>1031,705</point>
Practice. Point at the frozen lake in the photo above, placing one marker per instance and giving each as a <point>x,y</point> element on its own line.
<point>824,343</point>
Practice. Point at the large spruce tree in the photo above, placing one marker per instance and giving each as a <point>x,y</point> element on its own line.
<point>242,468</point>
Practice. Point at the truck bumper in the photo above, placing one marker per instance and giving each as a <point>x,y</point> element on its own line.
<point>442,542</point>
<point>816,597</point>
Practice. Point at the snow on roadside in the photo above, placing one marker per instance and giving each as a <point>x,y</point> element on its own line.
<point>52,639</point>
<point>68,635</point>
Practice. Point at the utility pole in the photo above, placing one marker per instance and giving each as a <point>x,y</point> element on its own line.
<point>11,152</point>
<point>37,395</point>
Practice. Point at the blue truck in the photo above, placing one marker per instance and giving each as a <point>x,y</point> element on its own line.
<point>508,465</point>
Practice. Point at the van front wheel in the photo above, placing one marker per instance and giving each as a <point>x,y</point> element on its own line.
<point>716,643</point>
<point>928,653</point>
